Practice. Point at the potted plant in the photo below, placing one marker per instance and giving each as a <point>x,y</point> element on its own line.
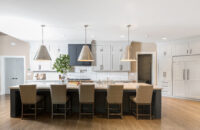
<point>62,65</point>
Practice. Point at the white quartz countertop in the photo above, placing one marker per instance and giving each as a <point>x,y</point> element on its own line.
<point>127,86</point>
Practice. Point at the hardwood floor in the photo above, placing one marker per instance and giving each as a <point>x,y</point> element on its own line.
<point>177,114</point>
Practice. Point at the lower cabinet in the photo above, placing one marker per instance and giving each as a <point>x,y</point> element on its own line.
<point>186,76</point>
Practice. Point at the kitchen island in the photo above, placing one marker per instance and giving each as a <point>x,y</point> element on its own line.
<point>100,98</point>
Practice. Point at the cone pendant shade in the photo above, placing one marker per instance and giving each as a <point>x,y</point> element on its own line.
<point>85,54</point>
<point>128,56</point>
<point>42,54</point>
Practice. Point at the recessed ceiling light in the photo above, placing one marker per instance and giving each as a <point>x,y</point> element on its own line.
<point>146,36</point>
<point>13,43</point>
<point>92,36</point>
<point>164,38</point>
<point>122,36</point>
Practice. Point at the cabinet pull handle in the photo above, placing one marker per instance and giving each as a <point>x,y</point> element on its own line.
<point>191,51</point>
<point>184,74</point>
<point>188,74</point>
<point>187,51</point>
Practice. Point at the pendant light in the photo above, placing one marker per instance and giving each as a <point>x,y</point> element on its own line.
<point>85,54</point>
<point>128,53</point>
<point>42,53</point>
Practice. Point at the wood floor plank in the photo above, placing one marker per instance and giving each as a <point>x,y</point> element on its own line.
<point>177,114</point>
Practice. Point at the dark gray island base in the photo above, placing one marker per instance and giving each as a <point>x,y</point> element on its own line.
<point>100,101</point>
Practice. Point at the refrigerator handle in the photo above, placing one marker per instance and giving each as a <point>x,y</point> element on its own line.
<point>188,74</point>
<point>183,74</point>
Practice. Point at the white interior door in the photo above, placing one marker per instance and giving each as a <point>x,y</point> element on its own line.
<point>14,72</point>
<point>179,76</point>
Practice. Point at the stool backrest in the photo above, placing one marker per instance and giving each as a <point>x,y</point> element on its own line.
<point>58,94</point>
<point>86,93</point>
<point>28,94</point>
<point>115,94</point>
<point>144,94</point>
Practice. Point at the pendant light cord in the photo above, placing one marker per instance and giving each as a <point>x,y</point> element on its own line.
<point>128,26</point>
<point>85,33</point>
<point>42,33</point>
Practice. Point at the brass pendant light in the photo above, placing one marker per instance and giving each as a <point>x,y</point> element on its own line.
<point>85,54</point>
<point>42,53</point>
<point>128,53</point>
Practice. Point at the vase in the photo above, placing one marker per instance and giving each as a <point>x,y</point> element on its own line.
<point>64,78</point>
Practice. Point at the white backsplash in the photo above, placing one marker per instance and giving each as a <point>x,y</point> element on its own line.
<point>87,73</point>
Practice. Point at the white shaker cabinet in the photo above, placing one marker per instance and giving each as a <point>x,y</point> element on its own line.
<point>99,58</point>
<point>125,65</point>
<point>179,88</point>
<point>186,76</point>
<point>115,56</point>
<point>180,48</point>
<point>164,68</point>
<point>108,58</point>
<point>194,46</point>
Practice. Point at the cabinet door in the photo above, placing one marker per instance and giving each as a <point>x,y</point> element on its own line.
<point>179,76</point>
<point>194,46</point>
<point>106,58</point>
<point>180,48</point>
<point>193,79</point>
<point>124,65</point>
<point>99,58</point>
<point>115,56</point>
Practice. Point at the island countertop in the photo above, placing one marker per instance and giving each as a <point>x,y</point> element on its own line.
<point>103,86</point>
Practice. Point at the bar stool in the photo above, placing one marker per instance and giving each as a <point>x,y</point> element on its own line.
<point>114,96</point>
<point>143,97</point>
<point>86,96</point>
<point>29,97</point>
<point>59,97</point>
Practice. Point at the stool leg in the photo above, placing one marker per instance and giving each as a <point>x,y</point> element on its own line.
<point>22,113</point>
<point>52,111</point>
<point>108,110</point>
<point>150,113</point>
<point>65,111</point>
<point>92,110</point>
<point>121,110</point>
<point>35,110</point>
<point>137,111</point>
<point>79,110</point>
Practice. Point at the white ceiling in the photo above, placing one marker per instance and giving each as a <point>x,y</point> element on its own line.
<point>152,19</point>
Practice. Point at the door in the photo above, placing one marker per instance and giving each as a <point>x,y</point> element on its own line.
<point>179,77</point>
<point>145,68</point>
<point>14,72</point>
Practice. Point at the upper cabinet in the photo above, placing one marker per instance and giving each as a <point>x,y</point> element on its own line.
<point>194,46</point>
<point>189,47</point>
<point>180,48</point>
<point>108,58</point>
